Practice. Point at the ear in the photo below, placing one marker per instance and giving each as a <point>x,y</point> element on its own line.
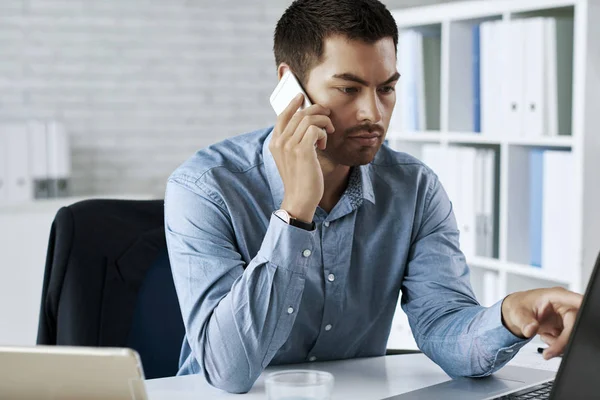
<point>282,69</point>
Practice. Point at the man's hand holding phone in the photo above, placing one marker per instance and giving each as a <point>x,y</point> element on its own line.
<point>295,138</point>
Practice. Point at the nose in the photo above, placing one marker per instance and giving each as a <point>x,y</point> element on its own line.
<point>369,109</point>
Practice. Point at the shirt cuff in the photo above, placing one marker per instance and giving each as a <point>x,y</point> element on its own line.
<point>502,345</point>
<point>288,246</point>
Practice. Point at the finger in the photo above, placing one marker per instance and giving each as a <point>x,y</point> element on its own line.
<point>314,136</point>
<point>320,121</point>
<point>565,298</point>
<point>286,115</point>
<point>530,329</point>
<point>548,339</point>
<point>292,125</point>
<point>558,347</point>
<point>553,331</point>
<point>525,320</point>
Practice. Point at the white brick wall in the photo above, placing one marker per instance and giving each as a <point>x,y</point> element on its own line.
<point>140,84</point>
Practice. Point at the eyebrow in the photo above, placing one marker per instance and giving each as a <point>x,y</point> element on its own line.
<point>354,78</point>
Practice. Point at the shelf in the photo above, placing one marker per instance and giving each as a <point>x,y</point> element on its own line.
<point>516,269</point>
<point>477,138</point>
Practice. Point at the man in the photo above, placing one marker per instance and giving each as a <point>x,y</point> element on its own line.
<point>291,244</point>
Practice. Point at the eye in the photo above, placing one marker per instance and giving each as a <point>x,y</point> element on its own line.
<point>387,89</point>
<point>348,90</point>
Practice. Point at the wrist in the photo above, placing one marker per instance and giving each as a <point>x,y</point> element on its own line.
<point>300,212</point>
<point>507,320</point>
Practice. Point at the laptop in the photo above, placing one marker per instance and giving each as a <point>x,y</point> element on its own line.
<point>62,372</point>
<point>577,376</point>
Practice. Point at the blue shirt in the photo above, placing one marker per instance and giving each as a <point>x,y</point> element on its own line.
<point>255,291</point>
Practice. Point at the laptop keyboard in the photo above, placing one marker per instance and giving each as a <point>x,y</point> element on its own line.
<point>539,392</point>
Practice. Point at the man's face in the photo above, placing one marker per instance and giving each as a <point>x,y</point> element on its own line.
<point>356,81</point>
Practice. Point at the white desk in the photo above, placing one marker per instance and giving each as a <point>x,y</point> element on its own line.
<point>364,379</point>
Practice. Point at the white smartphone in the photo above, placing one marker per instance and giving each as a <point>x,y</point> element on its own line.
<point>287,88</point>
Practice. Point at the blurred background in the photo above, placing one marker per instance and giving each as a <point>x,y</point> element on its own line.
<point>139,85</point>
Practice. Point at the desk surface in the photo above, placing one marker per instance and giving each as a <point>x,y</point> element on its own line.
<point>364,379</point>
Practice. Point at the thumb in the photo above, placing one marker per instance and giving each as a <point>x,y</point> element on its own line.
<point>523,323</point>
<point>530,329</point>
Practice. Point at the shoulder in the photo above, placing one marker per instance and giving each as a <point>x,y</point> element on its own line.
<point>230,157</point>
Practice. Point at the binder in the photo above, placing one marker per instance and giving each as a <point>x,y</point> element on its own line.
<point>19,187</point>
<point>430,96</point>
<point>479,207</point>
<point>476,79</point>
<point>551,84</point>
<point>490,285</point>
<point>434,157</point>
<point>406,66</point>
<point>466,180</point>
<point>421,112</point>
<point>535,104</point>
<point>38,158</point>
<point>559,51</point>
<point>536,205</point>
<point>489,201</point>
<point>558,226</point>
<point>490,86</point>
<point>513,50</point>
<point>59,160</point>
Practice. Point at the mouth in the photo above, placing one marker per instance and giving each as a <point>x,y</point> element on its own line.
<point>366,138</point>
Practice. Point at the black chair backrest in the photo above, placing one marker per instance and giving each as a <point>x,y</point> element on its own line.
<point>108,282</point>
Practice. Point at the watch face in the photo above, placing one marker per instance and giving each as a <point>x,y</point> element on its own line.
<point>283,215</point>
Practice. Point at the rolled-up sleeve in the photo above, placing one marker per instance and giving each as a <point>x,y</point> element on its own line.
<point>448,323</point>
<point>236,314</point>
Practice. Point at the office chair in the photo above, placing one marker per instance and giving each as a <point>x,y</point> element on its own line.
<point>108,282</point>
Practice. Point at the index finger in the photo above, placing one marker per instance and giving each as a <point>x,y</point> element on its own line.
<point>284,118</point>
<point>566,299</point>
<point>558,346</point>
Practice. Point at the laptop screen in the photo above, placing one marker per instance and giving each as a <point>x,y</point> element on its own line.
<point>578,376</point>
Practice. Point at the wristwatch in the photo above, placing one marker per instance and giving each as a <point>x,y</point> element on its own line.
<point>288,219</point>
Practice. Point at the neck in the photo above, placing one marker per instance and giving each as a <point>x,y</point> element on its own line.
<point>335,178</point>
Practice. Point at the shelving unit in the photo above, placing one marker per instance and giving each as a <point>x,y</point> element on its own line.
<point>453,21</point>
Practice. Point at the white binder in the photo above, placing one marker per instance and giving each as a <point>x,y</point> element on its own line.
<point>59,159</point>
<point>535,104</point>
<point>487,60</point>
<point>489,201</point>
<point>558,246</point>
<point>513,52</point>
<point>466,177</point>
<point>19,186</point>
<point>38,158</point>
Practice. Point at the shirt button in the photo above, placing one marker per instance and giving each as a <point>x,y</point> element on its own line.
<point>326,223</point>
<point>290,310</point>
<point>328,327</point>
<point>312,358</point>
<point>331,277</point>
<point>306,253</point>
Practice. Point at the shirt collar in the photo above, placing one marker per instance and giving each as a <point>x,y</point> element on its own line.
<point>359,187</point>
